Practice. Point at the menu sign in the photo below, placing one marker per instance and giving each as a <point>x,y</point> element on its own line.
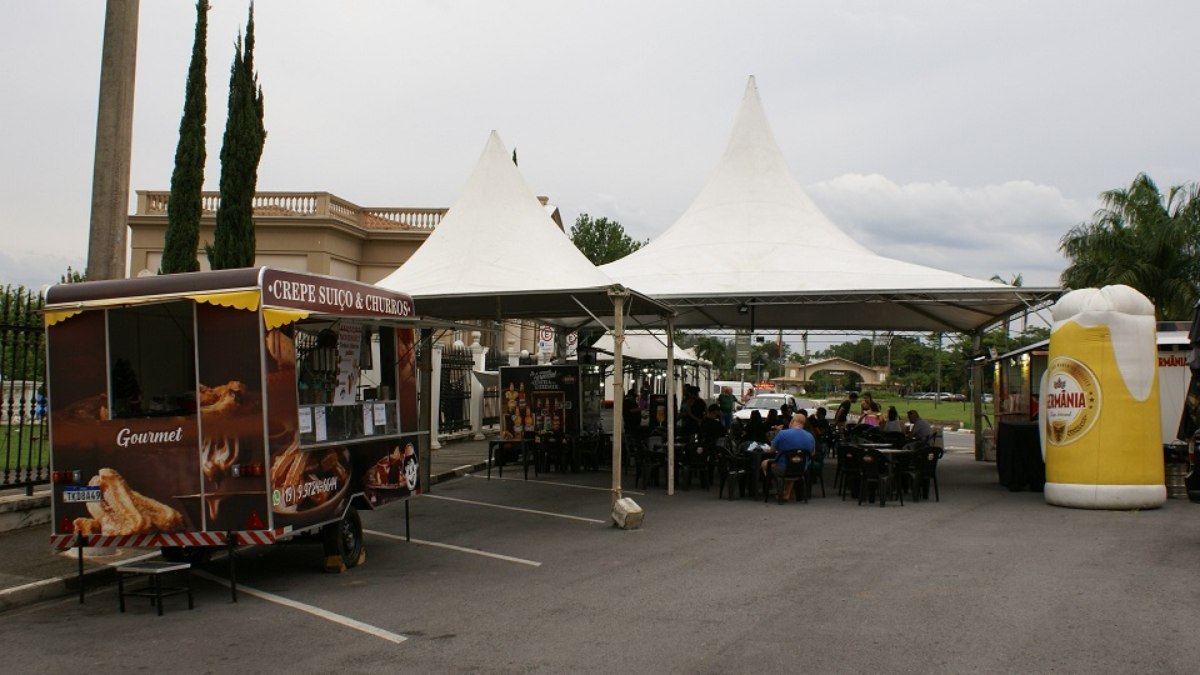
<point>349,357</point>
<point>540,400</point>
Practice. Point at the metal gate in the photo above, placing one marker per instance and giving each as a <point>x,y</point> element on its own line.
<point>456,390</point>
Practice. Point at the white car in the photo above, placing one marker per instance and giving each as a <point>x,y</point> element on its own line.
<point>765,403</point>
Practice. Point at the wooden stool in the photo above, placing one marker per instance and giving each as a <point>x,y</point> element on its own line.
<point>154,589</point>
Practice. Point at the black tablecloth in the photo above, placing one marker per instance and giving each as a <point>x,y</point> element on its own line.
<point>1019,456</point>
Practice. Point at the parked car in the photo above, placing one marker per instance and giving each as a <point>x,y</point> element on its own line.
<point>765,403</point>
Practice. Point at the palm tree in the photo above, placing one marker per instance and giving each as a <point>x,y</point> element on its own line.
<point>1018,281</point>
<point>1143,240</point>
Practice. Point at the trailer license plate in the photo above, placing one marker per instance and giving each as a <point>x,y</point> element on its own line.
<point>84,493</point>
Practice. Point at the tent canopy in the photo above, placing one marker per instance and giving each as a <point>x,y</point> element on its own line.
<point>643,346</point>
<point>498,254</point>
<point>753,250</point>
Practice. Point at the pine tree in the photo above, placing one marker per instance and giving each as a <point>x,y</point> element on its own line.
<point>187,181</point>
<point>233,239</point>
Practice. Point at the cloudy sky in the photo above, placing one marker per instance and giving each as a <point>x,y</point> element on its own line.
<point>963,135</point>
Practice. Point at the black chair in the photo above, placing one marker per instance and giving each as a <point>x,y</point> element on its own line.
<point>557,450</point>
<point>694,459</point>
<point>922,471</point>
<point>873,473</point>
<point>589,449</point>
<point>795,469</point>
<point>848,475</point>
<point>649,462</point>
<point>816,471</point>
<point>733,469</point>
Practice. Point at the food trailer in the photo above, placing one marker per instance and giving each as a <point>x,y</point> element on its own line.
<point>215,409</point>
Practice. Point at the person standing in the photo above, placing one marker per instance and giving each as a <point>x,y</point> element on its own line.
<point>842,416</point>
<point>631,413</point>
<point>727,401</point>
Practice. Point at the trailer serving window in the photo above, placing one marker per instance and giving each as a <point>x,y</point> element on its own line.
<point>336,404</point>
<point>152,360</point>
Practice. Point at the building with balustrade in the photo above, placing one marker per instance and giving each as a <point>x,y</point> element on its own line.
<point>315,232</point>
<point>301,231</point>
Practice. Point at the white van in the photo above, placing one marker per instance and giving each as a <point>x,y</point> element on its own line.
<point>739,388</point>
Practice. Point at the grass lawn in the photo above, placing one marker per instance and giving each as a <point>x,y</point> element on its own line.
<point>19,443</point>
<point>937,411</point>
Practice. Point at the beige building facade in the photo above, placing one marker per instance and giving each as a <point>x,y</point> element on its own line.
<point>316,232</point>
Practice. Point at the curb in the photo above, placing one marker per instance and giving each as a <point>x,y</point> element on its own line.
<point>458,472</point>
<point>65,585</point>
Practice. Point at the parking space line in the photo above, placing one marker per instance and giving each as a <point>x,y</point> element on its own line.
<point>550,482</point>
<point>460,549</point>
<point>515,508</point>
<point>308,609</point>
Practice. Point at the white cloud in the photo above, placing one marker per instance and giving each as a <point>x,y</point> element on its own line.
<point>36,270</point>
<point>1006,229</point>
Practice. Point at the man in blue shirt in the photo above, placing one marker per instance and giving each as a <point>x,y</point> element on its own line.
<point>792,439</point>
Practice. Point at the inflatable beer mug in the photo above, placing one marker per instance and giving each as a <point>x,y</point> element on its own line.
<point>1100,421</point>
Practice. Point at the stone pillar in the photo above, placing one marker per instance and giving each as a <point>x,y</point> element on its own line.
<point>107,238</point>
<point>477,388</point>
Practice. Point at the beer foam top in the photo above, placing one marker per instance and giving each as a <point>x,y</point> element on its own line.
<point>1129,316</point>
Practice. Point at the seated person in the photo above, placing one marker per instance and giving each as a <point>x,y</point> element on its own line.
<point>773,422</point>
<point>920,429</point>
<point>711,427</point>
<point>893,424</point>
<point>792,439</point>
<point>818,424</point>
<point>754,433</point>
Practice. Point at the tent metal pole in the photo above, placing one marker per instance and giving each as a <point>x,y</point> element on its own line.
<point>618,299</point>
<point>670,405</point>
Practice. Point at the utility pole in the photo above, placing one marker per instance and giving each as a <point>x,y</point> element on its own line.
<point>114,142</point>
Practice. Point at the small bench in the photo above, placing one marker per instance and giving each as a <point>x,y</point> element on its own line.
<point>154,589</point>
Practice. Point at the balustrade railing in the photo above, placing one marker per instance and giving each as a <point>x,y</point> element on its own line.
<point>309,205</point>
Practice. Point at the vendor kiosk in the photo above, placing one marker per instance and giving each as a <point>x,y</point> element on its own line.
<point>229,407</point>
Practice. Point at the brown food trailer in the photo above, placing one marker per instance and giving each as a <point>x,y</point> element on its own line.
<point>209,409</point>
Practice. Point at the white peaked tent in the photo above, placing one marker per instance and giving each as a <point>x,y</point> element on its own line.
<point>754,251</point>
<point>497,254</point>
<point>644,346</point>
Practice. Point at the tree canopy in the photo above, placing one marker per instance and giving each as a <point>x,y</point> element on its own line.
<point>602,240</point>
<point>187,180</point>
<point>233,239</point>
<point>1143,239</point>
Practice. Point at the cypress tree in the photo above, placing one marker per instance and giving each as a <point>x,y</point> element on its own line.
<point>187,180</point>
<point>233,239</point>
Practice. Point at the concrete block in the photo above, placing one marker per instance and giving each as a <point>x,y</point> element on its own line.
<point>626,514</point>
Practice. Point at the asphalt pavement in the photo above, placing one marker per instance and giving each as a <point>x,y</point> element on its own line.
<point>515,576</point>
<point>508,575</point>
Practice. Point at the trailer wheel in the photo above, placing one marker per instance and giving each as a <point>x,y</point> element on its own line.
<point>345,538</point>
<point>195,555</point>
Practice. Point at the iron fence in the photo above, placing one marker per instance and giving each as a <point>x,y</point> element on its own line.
<point>456,390</point>
<point>24,442</point>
